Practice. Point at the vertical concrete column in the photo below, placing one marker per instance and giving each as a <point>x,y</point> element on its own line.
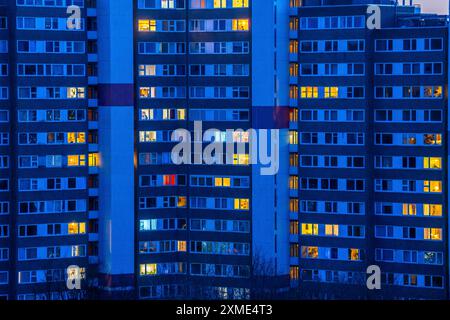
<point>116,146</point>
<point>270,110</point>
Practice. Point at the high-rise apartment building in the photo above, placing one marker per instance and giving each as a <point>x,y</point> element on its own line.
<point>369,149</point>
<point>95,95</point>
<point>91,95</point>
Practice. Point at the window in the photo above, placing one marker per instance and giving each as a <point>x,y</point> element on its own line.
<point>432,186</point>
<point>432,234</point>
<point>241,204</point>
<point>310,229</point>
<point>433,210</point>
<point>432,163</point>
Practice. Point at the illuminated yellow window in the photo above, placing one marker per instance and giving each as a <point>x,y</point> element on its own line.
<point>182,202</point>
<point>432,163</point>
<point>76,160</point>
<point>354,254</point>
<point>331,92</point>
<point>293,137</point>
<point>332,230</point>
<point>437,92</point>
<point>218,182</point>
<point>309,92</point>
<point>76,228</point>
<point>240,3</point>
<point>310,229</point>
<point>71,137</point>
<point>220,4</point>
<point>432,186</point>
<point>409,209</point>
<point>147,92</point>
<point>72,161</point>
<point>432,234</point>
<point>241,159</point>
<point>181,113</point>
<point>434,210</point>
<point>240,25</point>
<point>76,137</point>
<point>147,136</point>
<point>182,246</point>
<point>147,25</point>
<point>148,269</point>
<point>226,182</point>
<point>310,252</point>
<point>241,204</point>
<point>94,159</point>
<point>81,137</point>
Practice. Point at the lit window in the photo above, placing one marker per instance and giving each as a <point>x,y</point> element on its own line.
<point>81,137</point>
<point>181,114</point>
<point>226,182</point>
<point>354,254</point>
<point>293,137</point>
<point>432,186</point>
<point>434,210</point>
<point>182,246</point>
<point>432,163</point>
<point>169,180</point>
<point>310,252</point>
<point>148,269</point>
<point>241,204</point>
<point>76,160</point>
<point>147,136</point>
<point>147,92</point>
<point>240,25</point>
<point>332,230</point>
<point>409,209</point>
<point>147,25</point>
<point>309,92</point>
<point>240,3</point>
<point>218,182</point>
<point>241,159</point>
<point>432,139</point>
<point>94,159</point>
<point>432,234</point>
<point>147,114</point>
<point>76,228</point>
<point>74,93</point>
<point>310,229</point>
<point>182,202</point>
<point>331,92</point>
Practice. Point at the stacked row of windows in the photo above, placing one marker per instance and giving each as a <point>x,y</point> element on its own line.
<point>423,235</point>
<point>165,101</point>
<point>52,117</point>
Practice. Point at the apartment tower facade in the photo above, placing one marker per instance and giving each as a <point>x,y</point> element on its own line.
<point>369,153</point>
<point>91,94</point>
